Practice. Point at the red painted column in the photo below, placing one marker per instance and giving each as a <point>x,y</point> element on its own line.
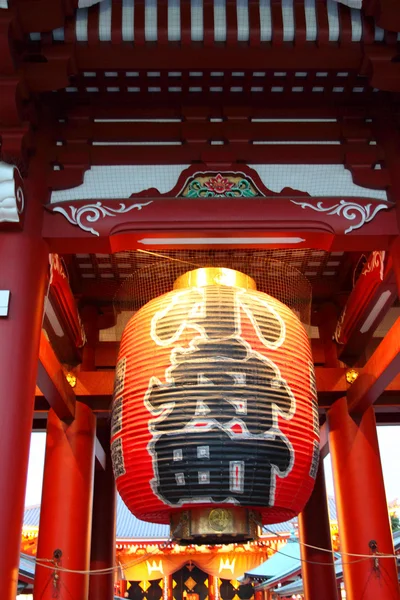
<point>66,510</point>
<point>361,505</point>
<point>168,588</point>
<point>123,585</point>
<point>101,587</point>
<point>317,568</point>
<point>211,591</point>
<point>23,271</point>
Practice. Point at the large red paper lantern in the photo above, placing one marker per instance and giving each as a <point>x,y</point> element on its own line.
<point>215,420</point>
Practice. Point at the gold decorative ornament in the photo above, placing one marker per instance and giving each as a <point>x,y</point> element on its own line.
<point>215,276</point>
<point>71,378</point>
<point>351,375</point>
<point>190,584</point>
<point>215,525</point>
<point>219,519</point>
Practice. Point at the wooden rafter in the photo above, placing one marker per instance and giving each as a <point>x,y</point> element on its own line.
<point>380,370</point>
<point>58,394</point>
<point>53,384</point>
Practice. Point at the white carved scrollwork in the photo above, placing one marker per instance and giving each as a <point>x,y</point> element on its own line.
<point>11,194</point>
<point>93,212</point>
<point>352,211</point>
<point>375,261</point>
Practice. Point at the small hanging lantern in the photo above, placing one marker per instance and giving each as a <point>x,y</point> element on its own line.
<point>215,421</point>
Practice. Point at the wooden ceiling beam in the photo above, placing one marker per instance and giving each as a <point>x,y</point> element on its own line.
<point>200,132</point>
<point>52,382</point>
<point>194,152</point>
<point>378,373</point>
<point>62,102</point>
<point>43,15</point>
<point>112,57</point>
<point>203,112</point>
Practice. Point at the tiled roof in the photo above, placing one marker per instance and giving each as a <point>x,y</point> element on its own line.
<point>32,515</point>
<point>288,526</point>
<point>26,565</point>
<point>284,563</point>
<point>128,526</point>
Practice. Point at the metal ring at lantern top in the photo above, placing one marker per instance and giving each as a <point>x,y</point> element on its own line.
<point>215,276</point>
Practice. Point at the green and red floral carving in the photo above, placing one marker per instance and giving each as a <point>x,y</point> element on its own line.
<point>218,186</point>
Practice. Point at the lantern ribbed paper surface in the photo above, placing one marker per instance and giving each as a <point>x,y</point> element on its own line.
<point>215,405</point>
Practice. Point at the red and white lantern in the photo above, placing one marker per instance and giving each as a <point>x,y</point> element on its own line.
<point>215,405</point>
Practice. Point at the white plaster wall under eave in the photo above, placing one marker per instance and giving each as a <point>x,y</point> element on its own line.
<point>122,181</point>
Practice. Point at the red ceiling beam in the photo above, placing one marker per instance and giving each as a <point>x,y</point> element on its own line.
<point>53,384</point>
<point>379,371</point>
<point>60,396</point>
<point>81,154</point>
<point>111,57</point>
<point>385,12</point>
<point>371,297</point>
<point>202,131</point>
<point>204,111</point>
<point>63,102</point>
<point>43,15</point>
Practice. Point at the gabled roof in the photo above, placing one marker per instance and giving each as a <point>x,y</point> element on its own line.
<point>283,564</point>
<point>296,587</point>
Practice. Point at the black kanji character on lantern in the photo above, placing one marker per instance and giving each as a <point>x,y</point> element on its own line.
<point>216,431</point>
<point>220,382</point>
<point>201,309</point>
<point>213,465</point>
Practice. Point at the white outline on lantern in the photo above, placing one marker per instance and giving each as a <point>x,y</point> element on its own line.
<point>198,310</point>
<point>192,426</point>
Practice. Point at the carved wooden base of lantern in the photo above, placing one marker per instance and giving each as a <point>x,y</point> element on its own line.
<point>215,525</point>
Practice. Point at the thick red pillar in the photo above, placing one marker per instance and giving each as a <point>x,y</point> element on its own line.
<point>66,510</point>
<point>317,568</point>
<point>23,271</point>
<point>101,587</point>
<point>361,505</point>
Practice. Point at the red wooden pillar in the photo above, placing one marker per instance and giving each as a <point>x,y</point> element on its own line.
<point>23,272</point>
<point>319,579</point>
<point>101,587</point>
<point>66,510</point>
<point>168,588</point>
<point>361,505</point>
<point>258,595</point>
<point>213,588</point>
<point>123,586</point>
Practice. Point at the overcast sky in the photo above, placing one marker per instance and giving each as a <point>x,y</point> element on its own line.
<point>389,443</point>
